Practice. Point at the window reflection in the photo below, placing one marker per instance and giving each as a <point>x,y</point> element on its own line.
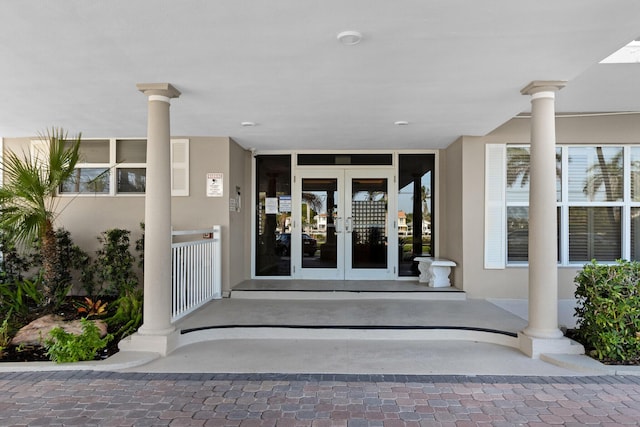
<point>273,181</point>
<point>415,210</point>
<point>319,213</point>
<point>132,180</point>
<point>87,180</point>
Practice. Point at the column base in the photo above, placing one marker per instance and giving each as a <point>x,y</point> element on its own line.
<point>534,347</point>
<point>543,333</point>
<point>161,344</point>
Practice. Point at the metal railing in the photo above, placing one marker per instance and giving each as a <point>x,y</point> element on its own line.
<point>197,269</point>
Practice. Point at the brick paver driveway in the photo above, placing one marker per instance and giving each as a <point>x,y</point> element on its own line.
<point>125,399</point>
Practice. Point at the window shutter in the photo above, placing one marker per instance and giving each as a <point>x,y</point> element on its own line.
<point>494,215</point>
<point>179,167</point>
<point>39,151</point>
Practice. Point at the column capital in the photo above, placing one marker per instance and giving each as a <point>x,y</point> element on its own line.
<point>543,86</point>
<point>161,89</point>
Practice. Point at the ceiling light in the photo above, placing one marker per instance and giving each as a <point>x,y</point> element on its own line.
<point>401,123</point>
<point>349,38</point>
<point>247,124</point>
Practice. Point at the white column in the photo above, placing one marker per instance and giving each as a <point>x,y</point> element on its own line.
<point>157,218</point>
<point>543,235</point>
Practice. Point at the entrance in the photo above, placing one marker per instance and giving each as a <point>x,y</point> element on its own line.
<point>343,225</point>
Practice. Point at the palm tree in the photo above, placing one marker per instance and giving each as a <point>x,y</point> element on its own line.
<point>607,174</point>
<point>27,202</point>
<point>518,163</point>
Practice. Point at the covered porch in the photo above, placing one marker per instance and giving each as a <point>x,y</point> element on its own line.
<point>349,331</point>
<point>348,315</point>
<point>540,335</point>
<point>348,310</point>
<point>353,335</point>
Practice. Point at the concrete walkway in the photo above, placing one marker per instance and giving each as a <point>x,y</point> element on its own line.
<point>468,337</point>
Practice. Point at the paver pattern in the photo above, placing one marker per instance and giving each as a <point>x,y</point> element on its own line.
<point>129,399</point>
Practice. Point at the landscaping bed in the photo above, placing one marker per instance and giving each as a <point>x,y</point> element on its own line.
<point>68,311</point>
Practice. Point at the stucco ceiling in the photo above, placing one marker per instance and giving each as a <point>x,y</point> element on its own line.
<point>449,67</point>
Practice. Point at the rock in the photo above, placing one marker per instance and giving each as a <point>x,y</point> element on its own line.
<point>36,332</point>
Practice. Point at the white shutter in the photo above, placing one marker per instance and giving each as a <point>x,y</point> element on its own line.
<point>179,167</point>
<point>39,151</point>
<point>495,239</point>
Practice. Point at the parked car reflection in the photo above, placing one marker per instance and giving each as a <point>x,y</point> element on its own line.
<point>283,244</point>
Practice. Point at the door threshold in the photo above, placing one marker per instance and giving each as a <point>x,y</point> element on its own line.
<point>343,289</point>
<point>442,294</point>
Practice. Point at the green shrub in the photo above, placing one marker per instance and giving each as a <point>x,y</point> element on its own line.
<point>128,315</point>
<point>13,264</point>
<point>5,336</point>
<point>21,296</point>
<point>608,311</point>
<point>140,247</point>
<point>114,263</point>
<point>63,347</point>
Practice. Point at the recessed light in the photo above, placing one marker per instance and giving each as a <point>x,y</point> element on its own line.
<point>247,124</point>
<point>349,38</point>
<point>401,123</point>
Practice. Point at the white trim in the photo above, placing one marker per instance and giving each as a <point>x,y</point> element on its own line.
<point>626,196</point>
<point>548,94</point>
<point>160,98</point>
<point>495,207</point>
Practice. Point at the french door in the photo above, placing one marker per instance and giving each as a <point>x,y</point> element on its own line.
<point>343,225</point>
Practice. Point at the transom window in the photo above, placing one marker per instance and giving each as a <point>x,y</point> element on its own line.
<point>109,166</point>
<point>118,167</point>
<point>598,202</point>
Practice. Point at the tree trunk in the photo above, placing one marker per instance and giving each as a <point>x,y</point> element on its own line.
<point>606,177</point>
<point>49,257</point>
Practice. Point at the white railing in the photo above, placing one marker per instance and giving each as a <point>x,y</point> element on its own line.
<point>197,270</point>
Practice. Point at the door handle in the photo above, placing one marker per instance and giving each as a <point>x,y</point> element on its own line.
<point>338,227</point>
<point>349,225</point>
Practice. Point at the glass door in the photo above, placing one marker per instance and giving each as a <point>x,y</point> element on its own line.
<point>369,227</point>
<point>318,229</point>
<point>342,228</point>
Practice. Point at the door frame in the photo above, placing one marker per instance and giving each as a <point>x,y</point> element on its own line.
<point>343,270</point>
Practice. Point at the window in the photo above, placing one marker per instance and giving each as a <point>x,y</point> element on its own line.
<point>273,181</point>
<point>598,198</point>
<point>517,196</point>
<point>118,166</point>
<point>131,171</point>
<point>415,210</point>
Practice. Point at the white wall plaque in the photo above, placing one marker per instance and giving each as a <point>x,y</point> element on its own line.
<point>214,185</point>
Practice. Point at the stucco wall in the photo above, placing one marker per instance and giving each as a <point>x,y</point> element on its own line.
<point>239,265</point>
<point>451,209</point>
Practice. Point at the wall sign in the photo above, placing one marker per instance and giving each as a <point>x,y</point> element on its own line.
<point>271,205</point>
<point>285,204</point>
<point>214,185</point>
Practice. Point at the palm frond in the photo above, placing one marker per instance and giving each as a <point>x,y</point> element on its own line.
<point>30,183</point>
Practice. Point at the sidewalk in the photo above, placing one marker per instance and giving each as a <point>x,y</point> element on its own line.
<point>129,399</point>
